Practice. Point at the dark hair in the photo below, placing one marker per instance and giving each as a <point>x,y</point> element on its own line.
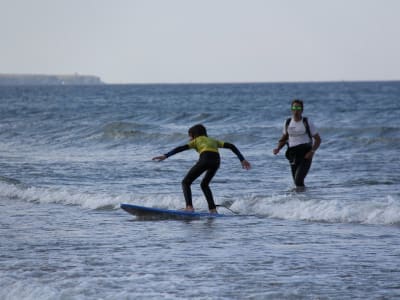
<point>197,130</point>
<point>298,101</point>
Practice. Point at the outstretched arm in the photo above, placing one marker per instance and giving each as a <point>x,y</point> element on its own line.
<point>172,152</point>
<point>245,164</point>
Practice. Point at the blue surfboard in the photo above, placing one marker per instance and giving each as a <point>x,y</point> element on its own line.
<point>145,212</point>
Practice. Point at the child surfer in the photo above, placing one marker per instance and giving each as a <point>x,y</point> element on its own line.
<point>209,161</point>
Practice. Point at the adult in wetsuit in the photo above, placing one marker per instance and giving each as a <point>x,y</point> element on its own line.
<point>303,140</point>
<point>209,161</point>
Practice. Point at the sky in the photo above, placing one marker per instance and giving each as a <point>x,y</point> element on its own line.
<point>204,41</point>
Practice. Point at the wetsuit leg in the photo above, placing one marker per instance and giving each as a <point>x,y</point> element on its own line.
<point>209,161</point>
<point>301,172</point>
<point>293,168</point>
<point>205,185</point>
<point>191,176</point>
<point>293,161</point>
<point>299,166</point>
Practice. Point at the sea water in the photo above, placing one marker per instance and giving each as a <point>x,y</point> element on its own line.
<point>70,155</point>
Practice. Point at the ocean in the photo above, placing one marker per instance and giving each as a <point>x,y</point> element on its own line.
<point>70,155</point>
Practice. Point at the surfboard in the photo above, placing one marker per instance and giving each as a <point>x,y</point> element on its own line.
<point>145,212</point>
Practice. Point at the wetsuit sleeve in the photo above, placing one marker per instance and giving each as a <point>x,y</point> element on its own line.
<point>177,150</point>
<point>234,150</point>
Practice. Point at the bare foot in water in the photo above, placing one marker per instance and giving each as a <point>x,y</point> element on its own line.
<point>189,209</point>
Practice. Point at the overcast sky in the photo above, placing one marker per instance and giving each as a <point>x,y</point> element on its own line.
<point>145,41</point>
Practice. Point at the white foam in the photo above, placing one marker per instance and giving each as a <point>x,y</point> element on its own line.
<point>290,206</point>
<point>28,290</point>
<point>86,199</point>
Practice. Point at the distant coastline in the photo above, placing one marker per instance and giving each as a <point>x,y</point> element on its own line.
<point>41,79</point>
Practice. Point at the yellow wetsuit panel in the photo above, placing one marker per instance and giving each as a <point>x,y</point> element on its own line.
<point>205,143</point>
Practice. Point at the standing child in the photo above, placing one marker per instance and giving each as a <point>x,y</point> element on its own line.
<point>208,162</point>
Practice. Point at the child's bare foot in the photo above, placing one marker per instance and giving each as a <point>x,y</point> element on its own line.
<point>213,211</point>
<point>189,208</point>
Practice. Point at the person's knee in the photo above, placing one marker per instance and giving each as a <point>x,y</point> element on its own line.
<point>186,183</point>
<point>204,185</point>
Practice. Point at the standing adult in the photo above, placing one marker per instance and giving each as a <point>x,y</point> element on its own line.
<point>303,139</point>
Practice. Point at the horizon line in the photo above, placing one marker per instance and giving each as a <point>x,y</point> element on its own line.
<point>252,82</point>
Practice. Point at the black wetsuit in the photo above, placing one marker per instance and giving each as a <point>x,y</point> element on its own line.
<point>298,164</point>
<point>209,162</point>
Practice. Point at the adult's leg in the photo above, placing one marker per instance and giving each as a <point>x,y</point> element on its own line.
<point>293,168</point>
<point>291,157</point>
<point>302,171</point>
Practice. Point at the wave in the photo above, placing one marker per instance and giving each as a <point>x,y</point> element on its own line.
<point>289,206</point>
<point>170,134</point>
<point>126,132</point>
<point>16,190</point>
<point>57,195</point>
<point>385,211</point>
<point>119,130</point>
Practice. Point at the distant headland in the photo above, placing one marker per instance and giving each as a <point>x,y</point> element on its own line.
<point>41,79</point>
